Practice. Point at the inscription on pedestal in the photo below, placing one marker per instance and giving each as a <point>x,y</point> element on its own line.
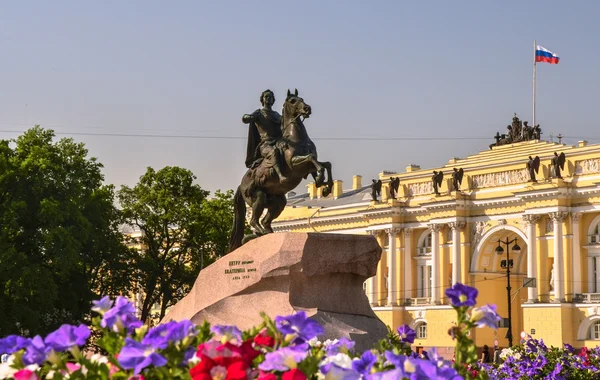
<point>240,269</point>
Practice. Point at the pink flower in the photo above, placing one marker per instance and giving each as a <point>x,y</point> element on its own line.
<point>25,374</point>
<point>72,367</point>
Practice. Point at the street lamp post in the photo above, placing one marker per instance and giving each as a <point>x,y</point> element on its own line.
<point>508,264</point>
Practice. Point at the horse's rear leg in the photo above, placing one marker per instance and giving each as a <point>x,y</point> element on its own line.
<point>257,209</point>
<point>276,205</point>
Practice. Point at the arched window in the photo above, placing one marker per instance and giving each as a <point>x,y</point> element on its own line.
<point>589,328</point>
<point>421,330</point>
<point>425,244</point>
<point>593,231</point>
<point>594,332</point>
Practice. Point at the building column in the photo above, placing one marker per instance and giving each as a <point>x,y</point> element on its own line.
<point>531,222</point>
<point>435,262</point>
<point>372,288</point>
<point>392,296</point>
<point>559,259</point>
<point>576,249</point>
<point>456,256</point>
<point>591,263</point>
<point>596,277</point>
<point>408,264</point>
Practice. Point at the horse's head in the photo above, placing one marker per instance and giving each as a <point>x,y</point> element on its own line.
<point>295,107</point>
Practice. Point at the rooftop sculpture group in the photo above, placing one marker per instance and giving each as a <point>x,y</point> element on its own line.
<point>557,164</point>
<point>517,131</point>
<point>279,155</point>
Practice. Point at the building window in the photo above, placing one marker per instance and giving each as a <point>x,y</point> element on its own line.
<point>595,331</point>
<point>422,331</point>
<point>424,281</point>
<point>425,245</point>
<point>594,238</point>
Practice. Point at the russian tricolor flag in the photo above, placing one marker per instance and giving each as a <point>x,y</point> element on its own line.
<point>544,55</point>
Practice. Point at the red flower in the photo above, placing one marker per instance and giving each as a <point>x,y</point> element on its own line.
<point>203,367</point>
<point>248,352</point>
<point>226,361</point>
<point>266,376</point>
<point>293,374</point>
<point>201,376</point>
<point>237,371</point>
<point>263,339</point>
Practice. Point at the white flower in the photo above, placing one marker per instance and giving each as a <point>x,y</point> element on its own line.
<point>509,352</point>
<point>97,358</point>
<point>315,342</point>
<point>6,371</point>
<point>341,360</point>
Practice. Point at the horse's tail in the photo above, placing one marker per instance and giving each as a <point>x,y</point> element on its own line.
<point>239,215</point>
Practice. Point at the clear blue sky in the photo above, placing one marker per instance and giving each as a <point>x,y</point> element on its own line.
<point>382,69</point>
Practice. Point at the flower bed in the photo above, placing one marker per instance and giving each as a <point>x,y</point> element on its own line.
<point>285,348</point>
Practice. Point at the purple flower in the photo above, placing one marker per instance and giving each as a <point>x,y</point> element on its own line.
<point>396,360</point>
<point>342,344</point>
<point>35,351</point>
<point>425,369</point>
<point>157,336</point>
<point>462,295</point>
<point>188,354</point>
<point>568,347</point>
<point>298,324</point>
<point>394,374</point>
<point>12,343</point>
<point>365,363</point>
<point>102,305</point>
<point>485,316</point>
<point>407,335</point>
<point>138,356</point>
<point>121,316</point>
<point>170,332</point>
<point>229,334</point>
<point>555,374</point>
<point>181,330</point>
<point>334,371</point>
<point>530,346</point>
<point>67,336</point>
<point>283,359</point>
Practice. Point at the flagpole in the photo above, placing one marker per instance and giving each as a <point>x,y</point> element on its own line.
<point>534,67</point>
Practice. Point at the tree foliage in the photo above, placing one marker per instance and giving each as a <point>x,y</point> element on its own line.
<point>181,232</point>
<point>60,246</point>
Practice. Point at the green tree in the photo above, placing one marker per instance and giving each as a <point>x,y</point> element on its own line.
<point>60,246</point>
<point>181,231</point>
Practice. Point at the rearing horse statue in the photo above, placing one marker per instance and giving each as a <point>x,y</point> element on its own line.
<point>261,187</point>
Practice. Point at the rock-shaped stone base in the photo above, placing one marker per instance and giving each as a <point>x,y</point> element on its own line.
<point>322,274</point>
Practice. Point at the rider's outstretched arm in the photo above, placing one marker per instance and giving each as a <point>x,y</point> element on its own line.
<point>249,118</point>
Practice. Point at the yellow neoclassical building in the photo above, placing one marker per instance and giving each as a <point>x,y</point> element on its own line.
<point>432,241</point>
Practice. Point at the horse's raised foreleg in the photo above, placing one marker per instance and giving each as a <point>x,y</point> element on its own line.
<point>257,209</point>
<point>299,161</point>
<point>329,185</point>
<point>276,204</point>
